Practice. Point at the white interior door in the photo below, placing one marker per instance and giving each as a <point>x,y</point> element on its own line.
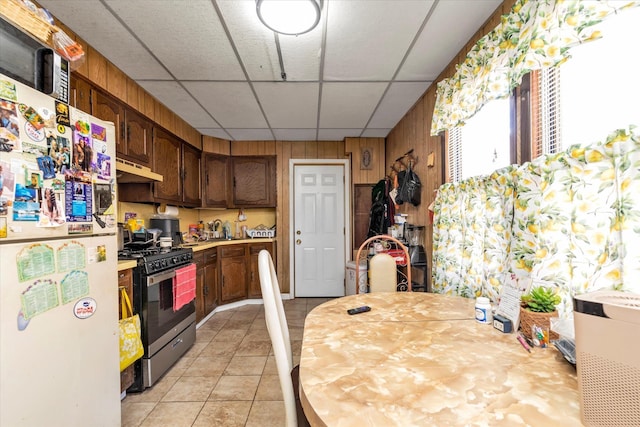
<point>319,230</point>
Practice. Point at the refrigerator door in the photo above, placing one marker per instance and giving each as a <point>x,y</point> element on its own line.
<point>56,173</point>
<point>59,351</point>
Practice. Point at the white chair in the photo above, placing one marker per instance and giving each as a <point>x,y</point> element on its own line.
<point>279,334</point>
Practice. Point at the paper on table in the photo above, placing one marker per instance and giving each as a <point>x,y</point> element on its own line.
<point>509,305</point>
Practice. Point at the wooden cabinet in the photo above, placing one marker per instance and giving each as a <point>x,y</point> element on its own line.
<point>179,164</point>
<point>80,96</point>
<point>233,273</point>
<point>210,288</point>
<point>215,190</point>
<point>133,131</point>
<point>137,138</point>
<point>254,181</point>
<point>239,182</point>
<point>125,279</point>
<point>254,290</point>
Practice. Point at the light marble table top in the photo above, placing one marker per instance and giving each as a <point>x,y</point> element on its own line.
<point>421,359</point>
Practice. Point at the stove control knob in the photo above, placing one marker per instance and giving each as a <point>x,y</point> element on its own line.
<point>164,263</point>
<point>157,264</point>
<point>174,260</point>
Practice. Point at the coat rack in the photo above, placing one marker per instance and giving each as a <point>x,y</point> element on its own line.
<point>402,163</point>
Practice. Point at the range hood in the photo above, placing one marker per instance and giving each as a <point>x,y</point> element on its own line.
<point>127,172</point>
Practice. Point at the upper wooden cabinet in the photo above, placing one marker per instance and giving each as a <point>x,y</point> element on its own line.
<point>179,164</point>
<point>133,131</point>
<point>254,181</point>
<point>239,182</point>
<point>215,189</point>
<point>80,96</point>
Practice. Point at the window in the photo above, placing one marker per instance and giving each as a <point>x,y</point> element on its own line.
<point>546,137</point>
<point>483,144</point>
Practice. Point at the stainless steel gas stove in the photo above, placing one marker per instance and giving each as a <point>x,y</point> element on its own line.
<point>166,334</point>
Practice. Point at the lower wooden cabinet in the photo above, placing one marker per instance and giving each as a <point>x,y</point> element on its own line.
<point>233,273</point>
<point>125,279</point>
<point>254,277</point>
<point>206,282</point>
<point>226,274</point>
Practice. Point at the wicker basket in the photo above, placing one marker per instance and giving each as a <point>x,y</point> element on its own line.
<point>543,320</point>
<point>23,17</point>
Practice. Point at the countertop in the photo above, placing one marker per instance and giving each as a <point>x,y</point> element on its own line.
<point>200,246</point>
<point>423,359</point>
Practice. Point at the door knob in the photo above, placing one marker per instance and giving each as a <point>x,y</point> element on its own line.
<point>298,242</point>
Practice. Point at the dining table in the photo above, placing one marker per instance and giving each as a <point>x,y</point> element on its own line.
<point>421,359</point>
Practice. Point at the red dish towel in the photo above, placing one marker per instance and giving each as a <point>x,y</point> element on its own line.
<point>184,286</point>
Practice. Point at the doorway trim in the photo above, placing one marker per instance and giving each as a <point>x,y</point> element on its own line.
<point>346,163</point>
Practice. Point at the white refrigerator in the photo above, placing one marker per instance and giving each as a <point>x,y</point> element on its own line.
<point>59,356</point>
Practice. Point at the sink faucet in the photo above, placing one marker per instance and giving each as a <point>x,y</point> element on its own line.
<point>216,224</point>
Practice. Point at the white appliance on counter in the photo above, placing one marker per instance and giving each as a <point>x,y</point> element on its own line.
<point>59,348</point>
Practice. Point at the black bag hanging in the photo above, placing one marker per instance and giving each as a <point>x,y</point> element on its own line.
<point>410,188</point>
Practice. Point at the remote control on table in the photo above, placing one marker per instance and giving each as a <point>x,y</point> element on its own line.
<point>357,310</point>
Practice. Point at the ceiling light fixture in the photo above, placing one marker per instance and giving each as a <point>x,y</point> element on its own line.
<point>290,17</point>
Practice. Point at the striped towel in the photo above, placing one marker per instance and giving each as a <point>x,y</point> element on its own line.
<point>184,286</point>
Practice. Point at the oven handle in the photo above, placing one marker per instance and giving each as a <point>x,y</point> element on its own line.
<point>157,278</point>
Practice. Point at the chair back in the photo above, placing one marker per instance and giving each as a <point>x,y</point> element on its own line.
<point>278,332</point>
<point>383,275</point>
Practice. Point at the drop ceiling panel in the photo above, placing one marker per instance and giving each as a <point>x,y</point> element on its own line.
<point>218,133</point>
<point>364,41</point>
<point>295,134</point>
<point>375,133</point>
<point>232,104</point>
<point>447,31</point>
<point>251,134</point>
<point>289,105</point>
<point>174,97</point>
<point>98,27</point>
<point>337,134</point>
<point>301,55</point>
<point>193,46</point>
<point>396,102</point>
<point>349,105</point>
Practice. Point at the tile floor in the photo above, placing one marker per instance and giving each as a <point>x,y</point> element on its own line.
<point>228,378</point>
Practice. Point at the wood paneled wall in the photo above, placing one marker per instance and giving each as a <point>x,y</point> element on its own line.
<point>413,132</point>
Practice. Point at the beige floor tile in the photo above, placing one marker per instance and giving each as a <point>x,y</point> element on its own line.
<point>253,348</point>
<point>133,414</point>
<point>296,334</point>
<point>191,389</point>
<point>266,414</point>
<point>196,348</point>
<point>205,335</point>
<point>181,365</point>
<point>246,365</point>
<point>232,387</point>
<point>258,323</point>
<point>153,394</point>
<point>270,368</point>
<point>244,315</point>
<point>269,388</point>
<point>207,366</point>
<point>240,324</point>
<point>257,335</point>
<point>229,335</point>
<point>174,414</point>
<point>220,348</point>
<point>223,414</point>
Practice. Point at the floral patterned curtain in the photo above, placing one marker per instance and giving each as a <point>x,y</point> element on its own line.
<point>536,34</point>
<point>571,220</point>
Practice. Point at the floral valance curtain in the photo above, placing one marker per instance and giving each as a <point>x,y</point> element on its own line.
<point>536,34</point>
<point>570,220</point>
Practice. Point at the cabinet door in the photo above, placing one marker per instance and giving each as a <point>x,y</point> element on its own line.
<point>210,280</point>
<point>198,260</point>
<point>125,279</point>
<point>215,192</point>
<point>254,277</point>
<point>233,273</point>
<point>138,138</point>
<point>80,96</point>
<point>191,173</point>
<point>254,181</point>
<point>166,161</point>
<point>106,108</point>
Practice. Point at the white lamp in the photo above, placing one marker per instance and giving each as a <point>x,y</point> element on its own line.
<point>290,17</point>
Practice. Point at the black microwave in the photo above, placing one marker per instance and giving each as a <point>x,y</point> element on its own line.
<point>26,60</point>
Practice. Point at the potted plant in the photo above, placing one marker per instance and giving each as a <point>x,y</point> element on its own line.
<point>537,308</point>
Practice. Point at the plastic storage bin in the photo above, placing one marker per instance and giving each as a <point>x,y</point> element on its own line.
<point>351,277</point>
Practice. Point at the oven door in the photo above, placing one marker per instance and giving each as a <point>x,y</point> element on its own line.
<point>160,322</point>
